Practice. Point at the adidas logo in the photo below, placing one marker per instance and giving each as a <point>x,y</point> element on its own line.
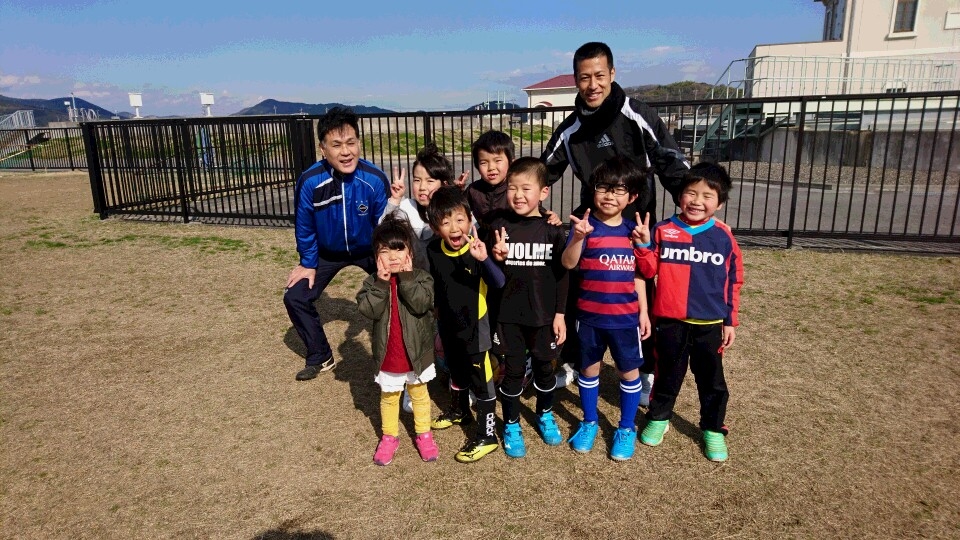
<point>604,141</point>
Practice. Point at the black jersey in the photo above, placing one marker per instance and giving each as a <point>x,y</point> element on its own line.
<point>460,291</point>
<point>536,281</point>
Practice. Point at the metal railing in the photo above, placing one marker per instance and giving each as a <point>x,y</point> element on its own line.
<point>869,167</point>
<point>17,120</point>
<point>778,76</point>
<point>42,149</point>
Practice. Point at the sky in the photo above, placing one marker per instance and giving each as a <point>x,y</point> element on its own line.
<point>403,56</point>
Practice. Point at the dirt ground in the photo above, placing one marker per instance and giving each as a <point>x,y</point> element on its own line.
<point>147,391</point>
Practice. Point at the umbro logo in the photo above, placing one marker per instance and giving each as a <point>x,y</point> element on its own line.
<point>604,141</point>
<point>362,209</point>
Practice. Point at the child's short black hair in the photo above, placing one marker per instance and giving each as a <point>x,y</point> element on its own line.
<point>529,165</point>
<point>593,49</point>
<point>714,175</point>
<point>437,166</point>
<point>335,119</point>
<point>393,233</point>
<point>446,201</point>
<point>620,169</point>
<point>494,142</point>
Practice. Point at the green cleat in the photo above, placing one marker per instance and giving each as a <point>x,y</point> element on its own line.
<point>714,446</point>
<point>652,435</point>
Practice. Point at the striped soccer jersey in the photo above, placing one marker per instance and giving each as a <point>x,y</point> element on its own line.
<point>699,271</point>
<point>608,295</point>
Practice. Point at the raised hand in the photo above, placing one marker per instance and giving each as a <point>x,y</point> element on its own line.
<point>581,227</point>
<point>383,267</point>
<point>500,248</point>
<point>641,233</point>
<point>461,181</point>
<point>398,187</point>
<point>477,248</point>
<point>407,265</point>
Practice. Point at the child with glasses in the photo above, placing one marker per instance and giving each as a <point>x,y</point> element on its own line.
<point>611,304</point>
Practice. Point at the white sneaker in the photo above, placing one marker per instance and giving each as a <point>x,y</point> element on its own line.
<point>407,404</point>
<point>566,375</point>
<point>646,386</point>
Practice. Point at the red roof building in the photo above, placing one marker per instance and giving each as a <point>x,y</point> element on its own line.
<point>559,91</point>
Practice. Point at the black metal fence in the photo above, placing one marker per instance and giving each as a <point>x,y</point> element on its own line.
<point>42,148</point>
<point>867,167</point>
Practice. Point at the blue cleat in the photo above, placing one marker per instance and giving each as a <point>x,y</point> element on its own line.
<point>582,440</point>
<point>624,443</point>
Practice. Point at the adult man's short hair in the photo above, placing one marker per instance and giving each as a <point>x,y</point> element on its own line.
<point>592,50</point>
<point>335,119</point>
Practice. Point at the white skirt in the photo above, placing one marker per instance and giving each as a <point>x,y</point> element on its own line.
<point>395,382</point>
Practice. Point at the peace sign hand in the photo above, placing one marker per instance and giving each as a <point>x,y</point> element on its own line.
<point>461,181</point>
<point>477,248</point>
<point>500,248</point>
<point>398,187</point>
<point>581,227</point>
<point>383,267</point>
<point>641,233</point>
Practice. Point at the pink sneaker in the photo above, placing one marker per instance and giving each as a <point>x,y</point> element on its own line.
<point>385,450</point>
<point>427,448</point>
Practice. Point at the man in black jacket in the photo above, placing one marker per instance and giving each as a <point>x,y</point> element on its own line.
<point>607,123</point>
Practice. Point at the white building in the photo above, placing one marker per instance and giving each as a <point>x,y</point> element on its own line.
<point>559,91</point>
<point>868,46</point>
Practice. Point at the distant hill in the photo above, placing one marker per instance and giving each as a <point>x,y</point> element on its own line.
<point>50,110</point>
<point>678,91</point>
<point>272,106</point>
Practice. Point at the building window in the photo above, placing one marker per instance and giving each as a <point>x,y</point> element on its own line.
<point>905,16</point>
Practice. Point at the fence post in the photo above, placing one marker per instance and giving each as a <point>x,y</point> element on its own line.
<point>427,130</point>
<point>26,144</point>
<point>66,136</point>
<point>796,171</point>
<point>93,170</point>
<point>181,150</point>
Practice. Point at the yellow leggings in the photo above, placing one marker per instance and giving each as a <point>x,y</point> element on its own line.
<point>390,410</point>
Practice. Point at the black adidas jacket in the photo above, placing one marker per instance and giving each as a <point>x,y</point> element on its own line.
<point>620,125</point>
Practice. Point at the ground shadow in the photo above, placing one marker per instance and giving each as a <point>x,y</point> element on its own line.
<point>686,427</point>
<point>354,363</point>
<point>290,530</point>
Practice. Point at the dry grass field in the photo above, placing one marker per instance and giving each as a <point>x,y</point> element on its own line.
<point>147,391</point>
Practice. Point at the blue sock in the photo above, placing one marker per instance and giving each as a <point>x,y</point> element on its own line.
<point>629,401</point>
<point>589,395</point>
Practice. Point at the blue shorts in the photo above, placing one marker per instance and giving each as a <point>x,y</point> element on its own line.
<point>624,345</point>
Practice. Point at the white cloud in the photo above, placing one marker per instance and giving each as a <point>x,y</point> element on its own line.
<point>19,80</point>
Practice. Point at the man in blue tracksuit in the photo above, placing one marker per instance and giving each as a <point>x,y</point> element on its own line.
<point>339,201</point>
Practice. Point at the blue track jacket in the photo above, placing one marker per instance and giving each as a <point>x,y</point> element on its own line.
<point>337,215</point>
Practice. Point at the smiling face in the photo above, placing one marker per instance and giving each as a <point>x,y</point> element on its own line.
<point>341,147</point>
<point>524,194</point>
<point>424,185</point>
<point>492,167</point>
<point>609,201</point>
<point>394,259</point>
<point>454,229</point>
<point>594,77</point>
<point>699,202</point>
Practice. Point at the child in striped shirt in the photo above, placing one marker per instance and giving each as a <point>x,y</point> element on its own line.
<point>611,304</point>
